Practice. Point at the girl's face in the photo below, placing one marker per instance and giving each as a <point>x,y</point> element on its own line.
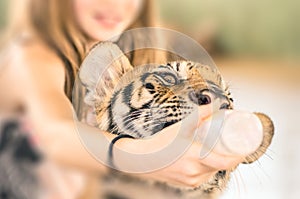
<point>102,19</point>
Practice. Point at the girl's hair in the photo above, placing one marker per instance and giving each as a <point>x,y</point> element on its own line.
<point>53,22</point>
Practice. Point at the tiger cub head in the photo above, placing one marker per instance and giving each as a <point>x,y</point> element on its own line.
<point>143,100</point>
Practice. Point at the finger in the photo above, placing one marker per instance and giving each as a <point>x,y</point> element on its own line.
<point>221,162</point>
<point>214,161</point>
<point>231,133</point>
<point>186,127</point>
<point>195,119</point>
<point>194,182</point>
<point>188,178</point>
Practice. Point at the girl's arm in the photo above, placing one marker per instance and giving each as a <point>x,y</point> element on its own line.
<point>41,78</point>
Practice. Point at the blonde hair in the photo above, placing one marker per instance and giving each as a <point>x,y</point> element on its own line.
<point>53,22</point>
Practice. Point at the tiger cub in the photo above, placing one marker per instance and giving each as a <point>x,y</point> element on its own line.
<point>141,101</point>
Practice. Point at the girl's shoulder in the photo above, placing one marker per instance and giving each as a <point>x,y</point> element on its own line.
<point>31,52</point>
<point>29,67</point>
<point>32,59</point>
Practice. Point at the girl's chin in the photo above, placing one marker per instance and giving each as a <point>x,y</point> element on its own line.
<point>103,33</point>
<point>106,35</point>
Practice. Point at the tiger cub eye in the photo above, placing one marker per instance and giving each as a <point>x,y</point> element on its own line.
<point>170,79</point>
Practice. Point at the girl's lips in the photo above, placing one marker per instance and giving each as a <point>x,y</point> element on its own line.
<point>107,21</point>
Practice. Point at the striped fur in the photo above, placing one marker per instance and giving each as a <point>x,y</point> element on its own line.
<point>143,100</point>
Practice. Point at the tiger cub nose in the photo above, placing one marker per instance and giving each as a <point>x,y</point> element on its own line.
<point>225,106</point>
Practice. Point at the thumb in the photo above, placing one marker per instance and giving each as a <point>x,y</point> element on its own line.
<point>229,133</point>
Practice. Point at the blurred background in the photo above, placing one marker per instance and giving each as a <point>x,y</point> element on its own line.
<point>257,27</point>
<point>256,45</point>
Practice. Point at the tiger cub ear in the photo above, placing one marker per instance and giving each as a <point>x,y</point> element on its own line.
<point>101,71</point>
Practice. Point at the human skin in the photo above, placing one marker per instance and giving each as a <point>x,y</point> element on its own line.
<point>36,77</point>
<point>102,20</point>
